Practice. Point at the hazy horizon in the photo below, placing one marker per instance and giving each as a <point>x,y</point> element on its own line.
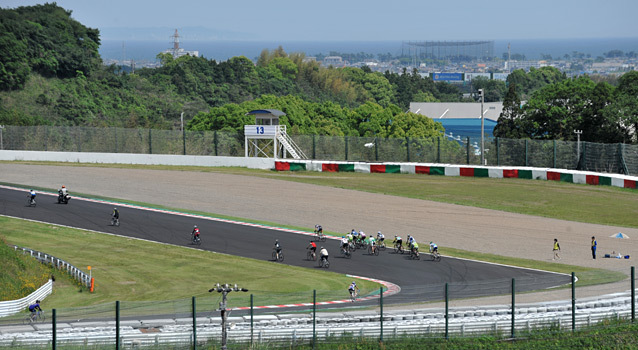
<point>354,20</point>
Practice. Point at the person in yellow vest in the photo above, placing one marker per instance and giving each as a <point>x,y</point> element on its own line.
<point>593,247</point>
<point>556,249</point>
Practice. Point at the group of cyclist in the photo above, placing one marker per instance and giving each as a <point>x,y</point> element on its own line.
<point>413,245</point>
<point>63,193</point>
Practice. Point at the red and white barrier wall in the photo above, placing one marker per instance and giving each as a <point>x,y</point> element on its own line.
<point>571,176</point>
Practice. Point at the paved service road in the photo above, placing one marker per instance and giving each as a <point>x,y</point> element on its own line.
<point>422,280</point>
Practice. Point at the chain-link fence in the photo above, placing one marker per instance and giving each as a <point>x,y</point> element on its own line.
<point>264,320</point>
<point>605,158</point>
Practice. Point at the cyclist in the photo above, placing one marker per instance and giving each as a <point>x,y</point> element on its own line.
<point>355,235</point>
<point>352,288</point>
<point>415,248</point>
<point>195,233</point>
<point>433,247</point>
<point>380,237</point>
<point>344,243</point>
<point>32,195</point>
<point>277,247</point>
<point>372,242</point>
<point>115,215</point>
<point>362,236</point>
<point>34,309</point>
<point>323,254</point>
<point>63,190</point>
<point>410,241</point>
<point>313,247</point>
<point>318,229</point>
<point>398,241</point>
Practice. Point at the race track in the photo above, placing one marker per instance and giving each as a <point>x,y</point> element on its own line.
<point>419,280</point>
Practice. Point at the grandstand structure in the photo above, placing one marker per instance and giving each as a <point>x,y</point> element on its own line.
<point>449,50</point>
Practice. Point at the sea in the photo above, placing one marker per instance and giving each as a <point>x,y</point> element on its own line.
<point>221,50</point>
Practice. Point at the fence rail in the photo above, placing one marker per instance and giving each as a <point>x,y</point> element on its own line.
<point>59,264</point>
<point>597,157</point>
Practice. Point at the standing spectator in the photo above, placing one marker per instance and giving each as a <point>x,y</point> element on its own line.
<point>593,247</point>
<point>556,249</point>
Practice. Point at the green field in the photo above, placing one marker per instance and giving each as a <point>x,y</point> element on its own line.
<point>136,270</point>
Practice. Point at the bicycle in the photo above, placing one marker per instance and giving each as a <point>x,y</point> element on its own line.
<point>398,249</point>
<point>353,295</point>
<point>414,254</point>
<point>30,202</point>
<point>346,253</point>
<point>115,221</point>
<point>311,255</point>
<point>324,262</point>
<point>277,256</point>
<point>435,256</point>
<point>196,240</point>
<point>320,236</point>
<point>381,245</point>
<point>373,250</point>
<point>34,317</point>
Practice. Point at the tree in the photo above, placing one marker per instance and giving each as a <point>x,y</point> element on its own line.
<point>509,122</point>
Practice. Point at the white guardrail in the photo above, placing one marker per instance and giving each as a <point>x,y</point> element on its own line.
<point>12,307</point>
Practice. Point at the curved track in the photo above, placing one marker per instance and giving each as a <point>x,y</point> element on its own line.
<point>421,280</point>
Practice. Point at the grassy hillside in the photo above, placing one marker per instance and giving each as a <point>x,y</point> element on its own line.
<point>21,275</point>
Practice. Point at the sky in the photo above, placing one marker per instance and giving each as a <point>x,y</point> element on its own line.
<point>353,20</point>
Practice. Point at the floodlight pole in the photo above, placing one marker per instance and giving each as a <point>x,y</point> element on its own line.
<point>225,289</point>
<point>482,128</point>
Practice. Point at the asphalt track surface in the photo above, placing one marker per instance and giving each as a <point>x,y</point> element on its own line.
<point>420,280</point>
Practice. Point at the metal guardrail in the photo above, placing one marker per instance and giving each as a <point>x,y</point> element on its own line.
<point>58,263</point>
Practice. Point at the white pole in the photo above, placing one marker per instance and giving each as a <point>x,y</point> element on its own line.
<point>482,129</point>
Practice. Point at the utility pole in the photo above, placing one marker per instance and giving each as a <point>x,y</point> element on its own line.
<point>225,289</point>
<point>482,128</point>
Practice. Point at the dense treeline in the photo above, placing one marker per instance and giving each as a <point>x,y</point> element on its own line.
<point>604,113</point>
<point>51,74</point>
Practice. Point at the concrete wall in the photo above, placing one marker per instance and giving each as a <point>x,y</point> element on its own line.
<point>144,159</point>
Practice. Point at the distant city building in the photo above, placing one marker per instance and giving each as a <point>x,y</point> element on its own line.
<point>335,61</point>
<point>177,51</point>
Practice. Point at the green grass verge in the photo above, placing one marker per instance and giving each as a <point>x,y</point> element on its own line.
<point>21,275</point>
<point>583,203</point>
<point>134,270</point>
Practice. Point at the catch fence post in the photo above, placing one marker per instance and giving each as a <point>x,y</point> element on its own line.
<point>184,140</point>
<point>194,325</point>
<point>407,147</point>
<point>513,306</point>
<point>526,156</point>
<point>467,149</point>
<point>554,154</point>
<point>314,317</point>
<point>314,147</point>
<point>438,150</point>
<point>376,149</point>
<point>150,141</point>
<point>53,330</point>
<point>573,302</point>
<point>251,319</point>
<point>447,316</point>
<point>498,153</point>
<point>346,138</point>
<point>381,313</point>
<point>117,325</point>
<point>633,294</point>
<point>215,141</point>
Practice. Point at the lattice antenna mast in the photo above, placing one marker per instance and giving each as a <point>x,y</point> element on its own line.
<point>175,41</point>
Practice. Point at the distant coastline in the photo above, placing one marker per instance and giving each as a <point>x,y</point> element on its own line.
<point>147,50</point>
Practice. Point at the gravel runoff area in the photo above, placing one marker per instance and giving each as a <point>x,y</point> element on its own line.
<point>340,210</point>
